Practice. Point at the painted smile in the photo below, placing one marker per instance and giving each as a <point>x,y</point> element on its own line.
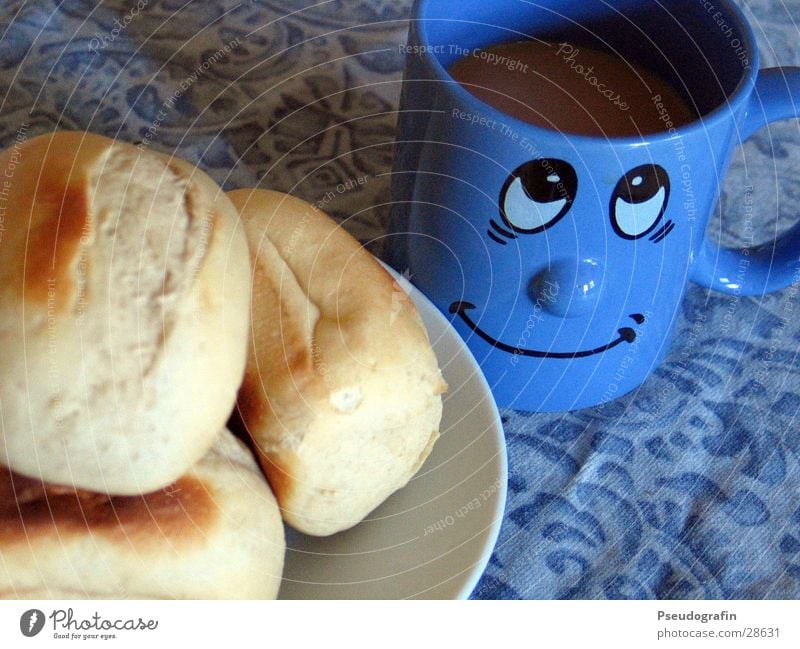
<point>626,335</point>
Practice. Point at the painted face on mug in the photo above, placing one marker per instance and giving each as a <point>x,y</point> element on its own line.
<point>539,194</point>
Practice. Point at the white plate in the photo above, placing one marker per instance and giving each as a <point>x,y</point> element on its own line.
<point>433,538</point>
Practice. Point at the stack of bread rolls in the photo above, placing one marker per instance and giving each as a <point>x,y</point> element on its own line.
<point>133,313</point>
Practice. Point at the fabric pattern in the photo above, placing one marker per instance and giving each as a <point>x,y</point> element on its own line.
<point>687,488</point>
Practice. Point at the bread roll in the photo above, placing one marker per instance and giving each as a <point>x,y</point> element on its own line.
<point>123,314</point>
<point>342,391</point>
<point>214,533</point>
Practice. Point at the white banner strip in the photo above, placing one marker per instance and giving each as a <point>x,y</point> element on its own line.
<point>400,624</point>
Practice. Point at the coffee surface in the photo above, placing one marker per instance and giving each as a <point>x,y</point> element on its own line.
<point>572,88</point>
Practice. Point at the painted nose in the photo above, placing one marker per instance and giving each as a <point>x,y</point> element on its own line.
<point>568,288</point>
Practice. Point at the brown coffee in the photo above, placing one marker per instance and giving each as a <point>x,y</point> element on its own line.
<point>571,88</point>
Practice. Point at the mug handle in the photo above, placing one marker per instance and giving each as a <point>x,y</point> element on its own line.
<point>775,264</point>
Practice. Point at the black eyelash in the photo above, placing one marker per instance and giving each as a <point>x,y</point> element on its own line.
<point>495,237</point>
<point>662,232</point>
<point>502,230</point>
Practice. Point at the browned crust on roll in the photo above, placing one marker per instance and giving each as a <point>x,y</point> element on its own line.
<point>52,210</point>
<point>54,243</point>
<point>216,532</point>
<point>180,513</point>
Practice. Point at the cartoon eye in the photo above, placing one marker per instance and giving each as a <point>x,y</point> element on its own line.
<point>639,201</point>
<point>537,194</point>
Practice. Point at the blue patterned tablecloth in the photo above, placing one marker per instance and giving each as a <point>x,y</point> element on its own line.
<point>689,488</point>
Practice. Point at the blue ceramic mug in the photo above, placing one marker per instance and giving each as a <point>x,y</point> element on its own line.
<point>563,259</point>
